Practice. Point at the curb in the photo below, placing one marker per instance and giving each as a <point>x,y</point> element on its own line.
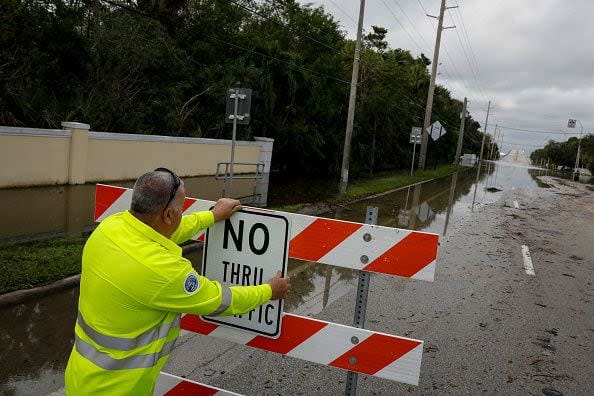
<point>20,296</point>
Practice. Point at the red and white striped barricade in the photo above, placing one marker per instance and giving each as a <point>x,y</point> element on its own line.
<point>366,247</point>
<point>171,385</point>
<point>391,251</point>
<point>334,345</point>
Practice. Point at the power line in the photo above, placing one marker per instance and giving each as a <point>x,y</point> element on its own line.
<point>452,63</point>
<point>401,25</point>
<point>344,12</point>
<point>467,36</point>
<point>425,42</point>
<point>471,67</point>
<point>314,72</point>
<point>291,64</point>
<point>537,131</point>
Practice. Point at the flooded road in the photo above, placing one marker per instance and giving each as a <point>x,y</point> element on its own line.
<point>36,337</point>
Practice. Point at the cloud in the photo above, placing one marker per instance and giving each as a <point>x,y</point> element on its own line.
<point>533,59</point>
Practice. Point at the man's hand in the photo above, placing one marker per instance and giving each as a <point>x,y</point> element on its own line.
<point>224,208</point>
<point>280,286</point>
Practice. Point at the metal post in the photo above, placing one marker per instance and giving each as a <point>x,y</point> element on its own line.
<point>412,165</point>
<point>346,154</point>
<point>461,134</point>
<point>361,302</point>
<point>229,192</point>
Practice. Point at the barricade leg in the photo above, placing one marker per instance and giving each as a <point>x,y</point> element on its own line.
<point>361,303</point>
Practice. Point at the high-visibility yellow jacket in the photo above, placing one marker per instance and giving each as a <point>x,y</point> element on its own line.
<point>134,285</point>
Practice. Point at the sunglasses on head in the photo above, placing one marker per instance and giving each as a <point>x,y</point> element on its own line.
<point>176,184</point>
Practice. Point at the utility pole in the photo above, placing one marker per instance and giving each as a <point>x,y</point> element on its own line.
<point>429,106</point>
<point>500,143</point>
<point>576,172</point>
<point>346,154</point>
<point>461,134</point>
<point>485,132</point>
<point>493,143</point>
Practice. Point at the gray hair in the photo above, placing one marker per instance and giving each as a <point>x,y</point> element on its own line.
<point>151,192</point>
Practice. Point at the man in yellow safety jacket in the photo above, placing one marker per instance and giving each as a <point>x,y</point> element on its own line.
<point>135,283</point>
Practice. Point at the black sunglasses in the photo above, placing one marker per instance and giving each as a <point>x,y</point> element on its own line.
<point>176,184</point>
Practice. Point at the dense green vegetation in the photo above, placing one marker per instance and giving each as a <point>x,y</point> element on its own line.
<point>163,67</point>
<point>564,153</point>
<point>38,263</point>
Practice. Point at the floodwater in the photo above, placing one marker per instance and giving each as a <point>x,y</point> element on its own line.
<point>36,337</point>
<point>57,211</point>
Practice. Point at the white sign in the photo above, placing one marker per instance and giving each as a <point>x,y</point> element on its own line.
<point>415,135</point>
<point>246,250</point>
<point>436,130</point>
<point>571,123</point>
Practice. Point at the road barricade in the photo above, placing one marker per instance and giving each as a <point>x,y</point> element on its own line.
<point>171,385</point>
<point>365,247</point>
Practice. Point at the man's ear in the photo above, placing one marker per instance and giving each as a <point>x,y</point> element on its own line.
<point>168,216</point>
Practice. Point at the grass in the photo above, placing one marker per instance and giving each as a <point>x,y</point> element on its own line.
<point>389,181</point>
<point>289,208</point>
<point>361,188</point>
<point>39,263</point>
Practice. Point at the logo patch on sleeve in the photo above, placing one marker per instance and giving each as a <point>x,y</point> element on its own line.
<point>191,284</point>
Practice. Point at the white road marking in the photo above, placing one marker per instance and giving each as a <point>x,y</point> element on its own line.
<point>528,267</point>
<point>516,205</point>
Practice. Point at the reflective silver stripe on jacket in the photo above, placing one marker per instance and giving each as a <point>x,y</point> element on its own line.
<point>128,344</point>
<point>225,301</point>
<point>107,362</point>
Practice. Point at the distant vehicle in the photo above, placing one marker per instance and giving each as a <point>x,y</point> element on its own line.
<point>583,171</point>
<point>582,174</point>
<point>468,160</point>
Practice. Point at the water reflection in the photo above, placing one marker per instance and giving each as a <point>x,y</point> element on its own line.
<point>36,340</point>
<point>57,211</point>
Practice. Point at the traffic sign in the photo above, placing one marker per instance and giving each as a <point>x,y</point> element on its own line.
<point>436,130</point>
<point>247,250</point>
<point>415,135</point>
<point>244,105</point>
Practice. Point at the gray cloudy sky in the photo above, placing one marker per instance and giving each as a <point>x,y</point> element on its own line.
<point>533,58</point>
